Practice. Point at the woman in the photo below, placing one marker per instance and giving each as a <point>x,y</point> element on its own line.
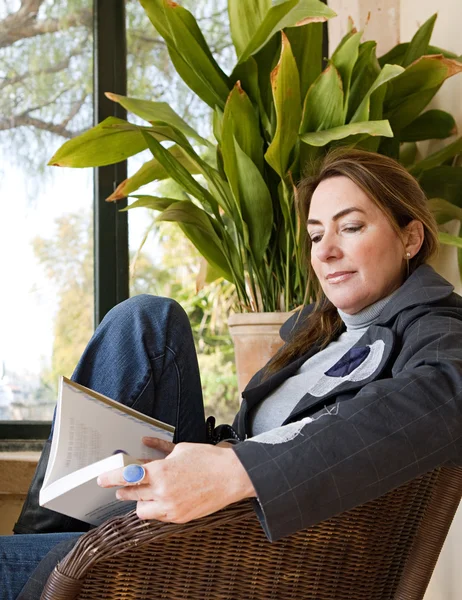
<point>365,395</point>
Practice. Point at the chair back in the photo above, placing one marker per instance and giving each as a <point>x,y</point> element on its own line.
<point>383,550</point>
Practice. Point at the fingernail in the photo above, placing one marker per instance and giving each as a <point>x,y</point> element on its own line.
<point>98,481</point>
<point>118,495</point>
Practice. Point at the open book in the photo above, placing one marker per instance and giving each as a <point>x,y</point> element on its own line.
<point>93,434</point>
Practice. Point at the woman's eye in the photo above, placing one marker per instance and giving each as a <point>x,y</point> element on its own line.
<point>352,228</point>
<point>315,238</point>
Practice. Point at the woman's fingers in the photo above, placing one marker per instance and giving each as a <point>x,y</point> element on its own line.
<point>172,490</point>
<point>139,493</point>
<point>151,510</point>
<point>158,444</point>
<point>116,478</point>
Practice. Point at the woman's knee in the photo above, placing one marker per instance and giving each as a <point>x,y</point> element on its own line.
<point>146,306</point>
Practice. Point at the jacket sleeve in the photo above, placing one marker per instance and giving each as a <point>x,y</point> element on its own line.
<point>366,443</point>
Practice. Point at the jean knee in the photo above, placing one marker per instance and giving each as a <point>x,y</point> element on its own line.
<point>146,307</point>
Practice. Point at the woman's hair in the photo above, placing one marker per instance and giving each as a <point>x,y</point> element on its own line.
<point>399,197</point>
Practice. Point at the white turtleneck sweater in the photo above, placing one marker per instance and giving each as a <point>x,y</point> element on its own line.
<point>275,408</point>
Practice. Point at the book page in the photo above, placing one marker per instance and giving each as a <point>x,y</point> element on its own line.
<point>79,496</point>
<point>90,427</point>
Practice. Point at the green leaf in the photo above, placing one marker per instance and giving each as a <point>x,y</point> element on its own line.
<point>188,50</point>
<point>396,55</point>
<point>151,171</point>
<point>256,203</point>
<point>170,19</point>
<point>386,74</point>
<point>220,193</point>
<point>364,74</point>
<point>152,202</point>
<point>445,53</point>
<point>425,73</point>
<point>162,133</point>
<point>217,123</point>
<point>305,12</point>
<point>266,60</point>
<point>267,28</point>
<point>190,44</point>
<point>287,100</point>
<point>409,93</point>
<point>438,158</point>
<point>443,182</point>
<point>211,274</point>
<point>197,226</point>
<point>306,44</point>
<point>244,20</point>
<point>178,172</point>
<point>389,147</point>
<point>247,74</point>
<point>101,145</point>
<point>286,13</point>
<point>240,120</point>
<point>321,138</point>
<point>407,153</point>
<point>195,83</point>
<point>444,211</point>
<point>323,107</point>
<point>430,125</point>
<point>157,112</point>
<point>344,58</point>
<point>409,109</point>
<point>240,123</point>
<point>450,240</point>
<point>418,46</point>
<point>155,11</point>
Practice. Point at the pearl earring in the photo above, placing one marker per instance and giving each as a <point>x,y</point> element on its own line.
<point>408,255</point>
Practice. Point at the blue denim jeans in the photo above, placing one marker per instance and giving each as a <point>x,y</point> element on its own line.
<point>19,557</point>
<point>142,354</point>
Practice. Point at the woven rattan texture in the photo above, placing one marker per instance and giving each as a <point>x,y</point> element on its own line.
<point>358,555</point>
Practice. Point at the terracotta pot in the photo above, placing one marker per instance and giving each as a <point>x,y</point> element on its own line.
<point>256,339</point>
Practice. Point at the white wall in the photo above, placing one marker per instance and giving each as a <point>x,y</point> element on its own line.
<point>390,22</point>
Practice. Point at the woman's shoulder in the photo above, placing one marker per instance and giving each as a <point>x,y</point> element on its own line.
<point>295,321</point>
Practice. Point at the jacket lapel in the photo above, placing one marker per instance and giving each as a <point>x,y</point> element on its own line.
<point>381,341</point>
<point>422,287</point>
<point>257,389</point>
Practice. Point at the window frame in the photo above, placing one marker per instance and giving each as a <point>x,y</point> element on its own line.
<point>110,226</point>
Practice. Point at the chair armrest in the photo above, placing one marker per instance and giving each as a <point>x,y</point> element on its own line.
<point>386,548</point>
<point>120,534</point>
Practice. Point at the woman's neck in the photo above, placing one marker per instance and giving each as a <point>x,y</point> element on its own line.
<point>366,316</point>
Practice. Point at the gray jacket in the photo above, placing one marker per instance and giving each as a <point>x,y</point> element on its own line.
<point>392,418</point>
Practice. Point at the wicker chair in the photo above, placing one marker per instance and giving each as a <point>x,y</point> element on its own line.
<point>385,549</point>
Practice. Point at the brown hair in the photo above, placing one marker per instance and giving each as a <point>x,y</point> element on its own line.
<point>401,199</point>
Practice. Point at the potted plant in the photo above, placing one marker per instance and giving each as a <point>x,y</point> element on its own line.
<point>274,113</point>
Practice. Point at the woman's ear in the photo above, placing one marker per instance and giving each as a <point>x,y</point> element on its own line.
<point>413,237</point>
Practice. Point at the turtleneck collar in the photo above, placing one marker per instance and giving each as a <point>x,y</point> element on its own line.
<point>366,316</point>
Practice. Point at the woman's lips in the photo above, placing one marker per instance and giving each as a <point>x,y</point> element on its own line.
<point>339,276</point>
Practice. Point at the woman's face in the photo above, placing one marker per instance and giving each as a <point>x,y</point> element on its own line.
<point>356,254</point>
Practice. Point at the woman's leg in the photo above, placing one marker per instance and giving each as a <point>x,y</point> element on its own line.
<point>20,555</point>
<point>142,354</point>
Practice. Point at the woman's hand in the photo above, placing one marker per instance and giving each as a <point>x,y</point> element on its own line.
<point>194,480</point>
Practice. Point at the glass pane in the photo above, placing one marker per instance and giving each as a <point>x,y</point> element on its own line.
<point>45,231</point>
<point>163,261</point>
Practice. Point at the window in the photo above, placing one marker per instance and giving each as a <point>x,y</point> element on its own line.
<point>49,260</point>
<point>46,241</point>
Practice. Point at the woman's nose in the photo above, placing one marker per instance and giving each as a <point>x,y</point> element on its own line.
<point>327,249</point>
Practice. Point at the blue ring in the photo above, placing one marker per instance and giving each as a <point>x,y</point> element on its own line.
<point>134,473</point>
